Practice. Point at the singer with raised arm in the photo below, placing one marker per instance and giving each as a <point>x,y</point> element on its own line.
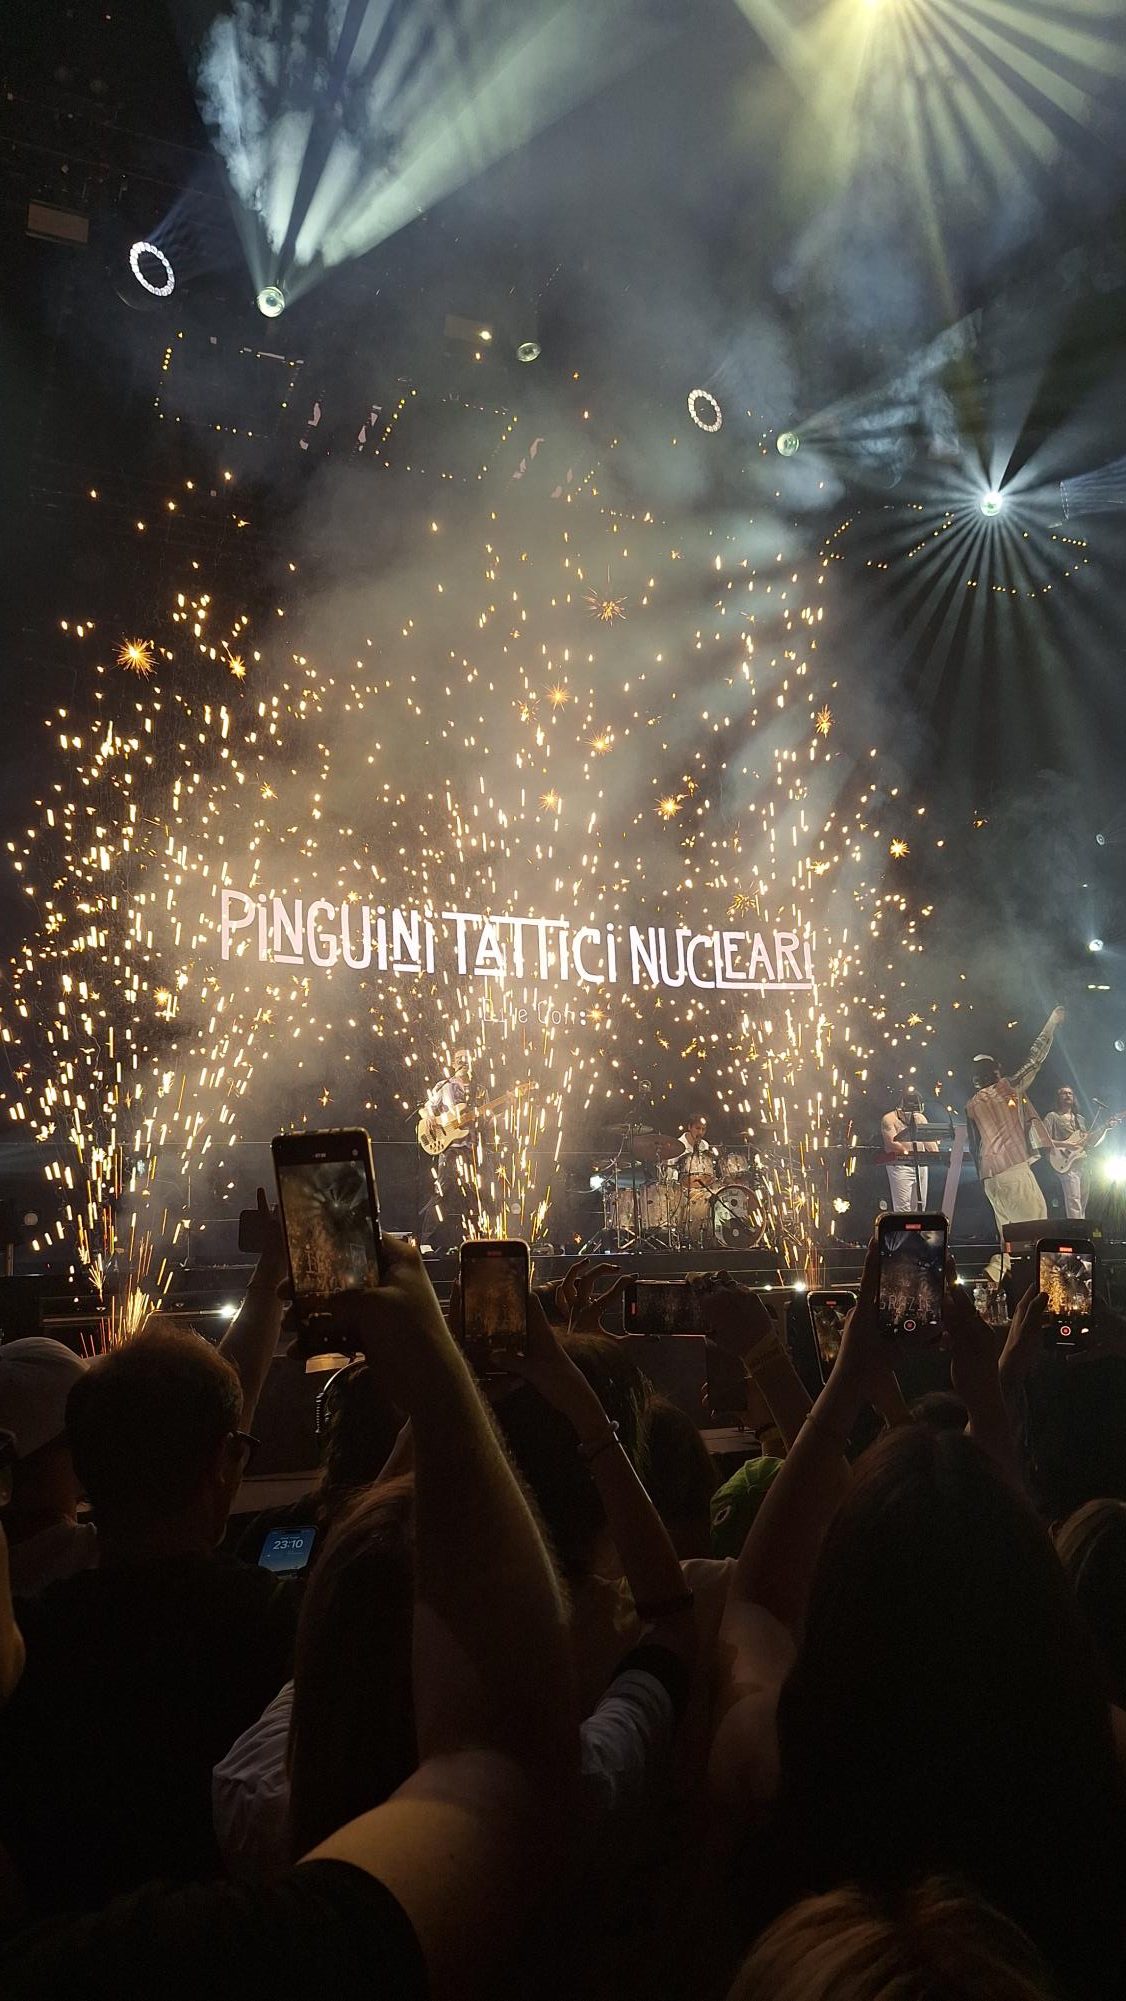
<point>999,1117</point>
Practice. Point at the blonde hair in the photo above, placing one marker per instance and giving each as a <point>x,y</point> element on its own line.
<point>939,1943</point>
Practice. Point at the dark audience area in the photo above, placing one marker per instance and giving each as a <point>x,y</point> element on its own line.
<point>527,1693</point>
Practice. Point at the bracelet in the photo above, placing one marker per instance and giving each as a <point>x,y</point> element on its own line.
<point>592,1450</point>
<point>819,1424</point>
<point>665,1608</point>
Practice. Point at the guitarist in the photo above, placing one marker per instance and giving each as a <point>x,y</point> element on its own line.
<point>444,1220</point>
<point>1068,1130</point>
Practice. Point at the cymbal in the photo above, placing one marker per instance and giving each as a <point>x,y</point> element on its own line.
<point>645,1144</point>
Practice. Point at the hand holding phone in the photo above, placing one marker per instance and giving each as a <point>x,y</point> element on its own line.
<point>912,1276</point>
<point>330,1216</point>
<point>1066,1276</point>
<point>495,1275</point>
<point>828,1312</point>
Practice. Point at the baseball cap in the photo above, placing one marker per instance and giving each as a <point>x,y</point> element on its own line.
<point>36,1378</point>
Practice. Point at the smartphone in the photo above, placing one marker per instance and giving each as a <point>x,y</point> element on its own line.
<point>912,1276</point>
<point>828,1312</point>
<point>330,1214</point>
<point>1065,1269</point>
<point>287,1550</point>
<point>495,1274</point>
<point>656,1306</point>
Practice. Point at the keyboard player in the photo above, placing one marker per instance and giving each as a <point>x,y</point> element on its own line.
<point>904,1151</point>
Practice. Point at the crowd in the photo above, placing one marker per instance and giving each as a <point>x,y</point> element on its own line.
<point>551,1710</point>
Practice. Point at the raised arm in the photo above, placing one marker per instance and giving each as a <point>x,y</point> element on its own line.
<point>742,1326</point>
<point>471,1838</point>
<point>250,1342</point>
<point>1033,1062</point>
<point>650,1563</point>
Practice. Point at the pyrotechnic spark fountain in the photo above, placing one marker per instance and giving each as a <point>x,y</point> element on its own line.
<point>488,758</point>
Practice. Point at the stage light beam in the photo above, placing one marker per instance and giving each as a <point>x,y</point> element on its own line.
<point>271,301</point>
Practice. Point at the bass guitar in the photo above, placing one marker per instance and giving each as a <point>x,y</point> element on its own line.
<point>436,1132</point>
<point>1068,1151</point>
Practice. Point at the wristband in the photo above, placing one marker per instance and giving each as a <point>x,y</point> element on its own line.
<point>592,1451</point>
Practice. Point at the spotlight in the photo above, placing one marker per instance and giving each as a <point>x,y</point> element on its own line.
<point>168,285</point>
<point>799,1285</point>
<point>1094,945</point>
<point>1100,840</point>
<point>704,410</point>
<point>229,1311</point>
<point>596,1181</point>
<point>271,301</point>
<point>528,350</point>
<point>991,503</point>
<point>1120,1044</point>
<point>1115,1169</point>
<point>789,443</point>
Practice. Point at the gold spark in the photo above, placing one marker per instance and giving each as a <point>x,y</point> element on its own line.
<point>606,609</point>
<point>550,802</point>
<point>325,1098</point>
<point>739,902</point>
<point>135,655</point>
<point>824,721</point>
<point>898,849</point>
<point>603,742</point>
<point>914,1021</point>
<point>162,998</point>
<point>268,792</point>
<point>558,695</point>
<point>237,665</point>
<point>669,807</point>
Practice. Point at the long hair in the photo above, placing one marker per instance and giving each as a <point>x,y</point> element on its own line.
<point>938,1943</point>
<point>945,1711</point>
<point>1091,1546</point>
<point>352,1734</point>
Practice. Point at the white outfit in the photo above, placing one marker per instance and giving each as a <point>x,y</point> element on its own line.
<point>906,1197</point>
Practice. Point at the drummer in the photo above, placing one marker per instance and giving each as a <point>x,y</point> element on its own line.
<point>697,1158</point>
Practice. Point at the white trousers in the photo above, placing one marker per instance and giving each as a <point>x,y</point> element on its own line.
<point>1015,1196</point>
<point>904,1196</point>
<point>1073,1187</point>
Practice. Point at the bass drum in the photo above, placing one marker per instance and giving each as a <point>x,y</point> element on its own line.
<point>733,1216</point>
<point>651,1213</point>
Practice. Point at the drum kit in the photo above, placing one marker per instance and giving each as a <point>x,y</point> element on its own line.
<point>654,1196</point>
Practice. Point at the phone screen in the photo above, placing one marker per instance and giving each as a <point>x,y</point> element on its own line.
<point>664,1306</point>
<point>1067,1275</point>
<point>912,1274</point>
<point>494,1298</point>
<point>828,1312</point>
<point>331,1224</point>
<point>287,1550</point>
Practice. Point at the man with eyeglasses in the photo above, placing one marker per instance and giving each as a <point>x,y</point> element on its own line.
<point>140,1673</point>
